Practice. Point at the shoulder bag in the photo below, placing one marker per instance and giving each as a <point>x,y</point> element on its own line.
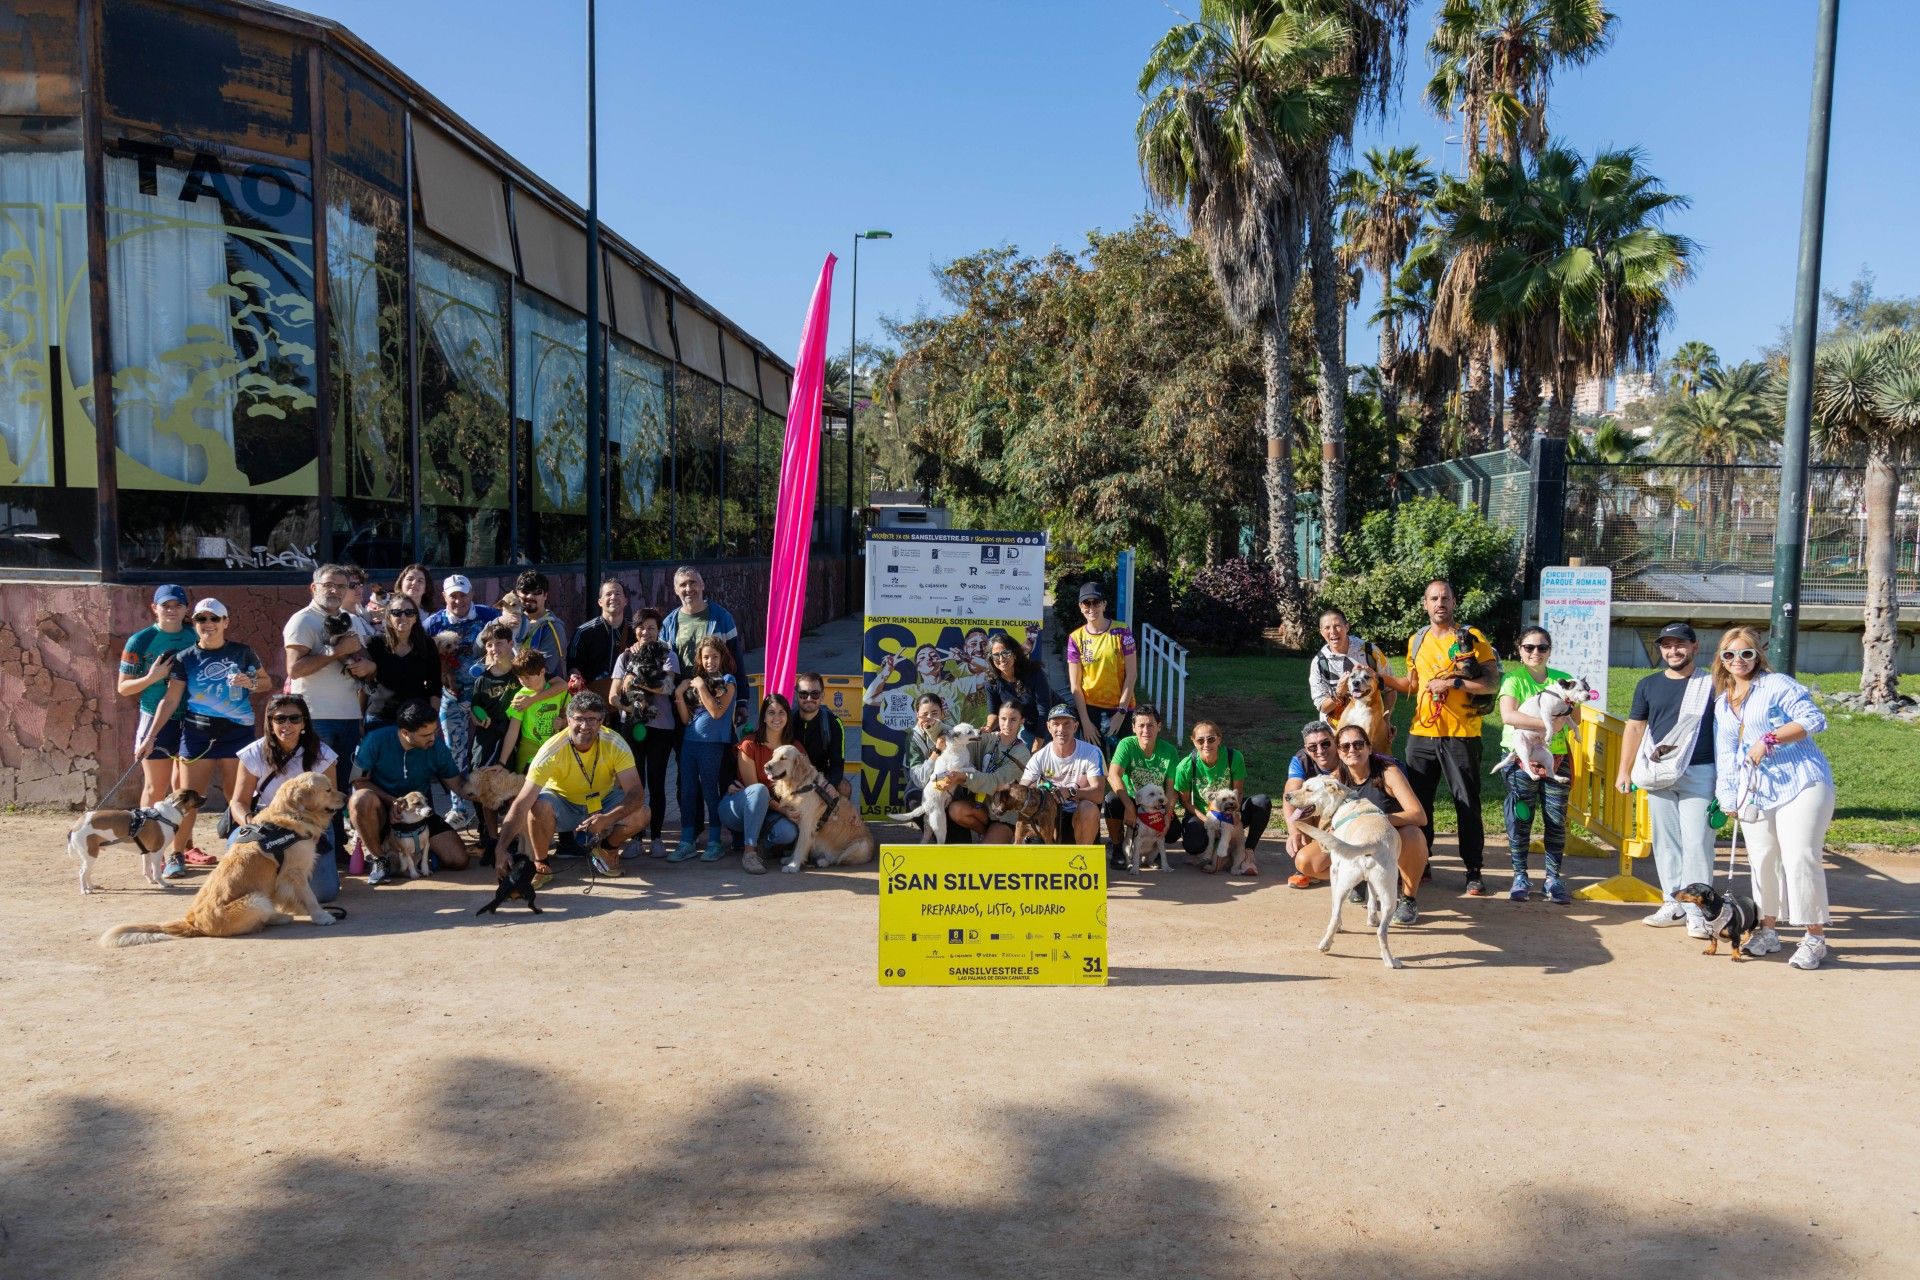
<point>1657,770</point>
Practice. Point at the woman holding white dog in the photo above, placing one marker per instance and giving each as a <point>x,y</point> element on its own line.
<point>1772,777</point>
<point>1381,780</point>
<point>1526,794</point>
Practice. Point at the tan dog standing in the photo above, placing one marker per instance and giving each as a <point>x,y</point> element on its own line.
<point>1366,708</point>
<point>261,880</point>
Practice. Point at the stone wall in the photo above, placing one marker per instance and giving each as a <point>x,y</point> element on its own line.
<point>65,733</point>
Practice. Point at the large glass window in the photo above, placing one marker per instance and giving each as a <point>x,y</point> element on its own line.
<point>639,428</point>
<point>740,518</point>
<point>696,446</point>
<point>461,308</point>
<point>48,467</point>
<point>367,331</point>
<point>210,271</point>
<point>550,387</point>
<point>773,438</point>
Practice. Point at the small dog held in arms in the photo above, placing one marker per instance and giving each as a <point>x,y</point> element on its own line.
<point>1365,708</point>
<point>262,877</point>
<point>1367,848</point>
<point>1552,704</point>
<point>407,834</point>
<point>832,832</point>
<point>1151,817</point>
<point>953,756</point>
<point>1729,915</point>
<point>1226,834</point>
<point>147,829</point>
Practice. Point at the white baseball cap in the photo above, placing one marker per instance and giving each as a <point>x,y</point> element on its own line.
<point>210,605</point>
<point>456,582</point>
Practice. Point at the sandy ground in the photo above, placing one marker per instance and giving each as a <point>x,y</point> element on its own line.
<point>692,1072</point>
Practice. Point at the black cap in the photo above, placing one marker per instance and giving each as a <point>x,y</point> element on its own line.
<point>1677,631</point>
<point>1091,591</point>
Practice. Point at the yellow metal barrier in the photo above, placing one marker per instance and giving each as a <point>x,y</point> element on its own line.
<point>1618,823</point>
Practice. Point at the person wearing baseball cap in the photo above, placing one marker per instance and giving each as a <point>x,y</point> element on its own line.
<point>466,619</point>
<point>146,660</point>
<point>1101,668</point>
<point>1669,715</point>
<point>1074,769</point>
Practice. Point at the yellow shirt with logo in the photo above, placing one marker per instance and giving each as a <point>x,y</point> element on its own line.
<point>1452,715</point>
<point>585,779</point>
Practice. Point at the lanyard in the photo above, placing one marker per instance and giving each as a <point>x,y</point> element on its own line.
<point>587,773</point>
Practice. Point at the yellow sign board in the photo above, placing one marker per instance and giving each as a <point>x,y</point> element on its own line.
<point>992,915</point>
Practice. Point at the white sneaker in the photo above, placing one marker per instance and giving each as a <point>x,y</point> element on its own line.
<point>1665,916</point>
<point>1762,942</point>
<point>1697,926</point>
<point>1813,949</point>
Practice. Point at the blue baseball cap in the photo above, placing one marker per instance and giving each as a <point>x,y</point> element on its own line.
<point>169,593</point>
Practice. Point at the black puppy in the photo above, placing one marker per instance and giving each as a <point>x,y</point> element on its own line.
<point>1729,915</point>
<point>517,883</point>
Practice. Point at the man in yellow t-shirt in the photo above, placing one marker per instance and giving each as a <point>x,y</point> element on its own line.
<point>582,781</point>
<point>1101,666</point>
<point>1444,739</point>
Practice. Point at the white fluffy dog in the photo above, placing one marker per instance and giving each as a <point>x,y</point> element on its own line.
<point>1551,705</point>
<point>1226,833</point>
<point>1151,819</point>
<point>1367,848</point>
<point>954,756</point>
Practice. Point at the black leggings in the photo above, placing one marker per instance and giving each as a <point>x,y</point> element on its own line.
<point>1257,811</point>
<point>656,749</point>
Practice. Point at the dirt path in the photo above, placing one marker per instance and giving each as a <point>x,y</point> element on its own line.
<point>691,1072</point>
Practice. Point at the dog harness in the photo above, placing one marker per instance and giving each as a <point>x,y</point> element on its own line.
<point>408,828</point>
<point>138,818</point>
<point>274,840</point>
<point>829,795</point>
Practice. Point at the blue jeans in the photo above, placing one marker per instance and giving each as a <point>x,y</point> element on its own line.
<point>1682,840</point>
<point>745,811</point>
<point>700,786</point>
<point>1545,797</point>
<point>344,737</point>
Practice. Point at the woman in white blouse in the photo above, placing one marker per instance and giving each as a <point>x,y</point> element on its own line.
<point>289,748</point>
<point>1773,778</point>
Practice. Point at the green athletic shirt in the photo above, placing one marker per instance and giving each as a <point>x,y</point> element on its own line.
<point>1138,768</point>
<point>1194,777</point>
<point>1520,686</point>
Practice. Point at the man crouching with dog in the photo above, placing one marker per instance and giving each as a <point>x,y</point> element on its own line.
<point>582,781</point>
<point>394,761</point>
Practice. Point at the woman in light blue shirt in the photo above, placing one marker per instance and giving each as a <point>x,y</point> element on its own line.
<point>1770,771</point>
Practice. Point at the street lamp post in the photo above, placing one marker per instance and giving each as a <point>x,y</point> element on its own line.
<point>1790,524</point>
<point>596,430</point>
<point>853,341</point>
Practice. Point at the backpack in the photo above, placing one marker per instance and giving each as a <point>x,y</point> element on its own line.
<point>1480,704</point>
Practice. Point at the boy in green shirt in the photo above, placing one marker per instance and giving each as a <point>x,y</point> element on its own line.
<point>534,714</point>
<point>1138,760</point>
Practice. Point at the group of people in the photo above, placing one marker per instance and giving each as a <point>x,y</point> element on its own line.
<point>392,699</point>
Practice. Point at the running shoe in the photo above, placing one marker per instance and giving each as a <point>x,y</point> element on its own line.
<point>1475,889</point>
<point>1522,889</point>
<point>175,868</point>
<point>609,867</point>
<point>1762,942</point>
<point>376,871</point>
<point>1358,895</point>
<point>716,850</point>
<point>1697,927</point>
<point>1405,910</point>
<point>1300,881</point>
<point>1665,916</point>
<point>658,849</point>
<point>1812,950</point>
<point>686,850</point>
<point>1557,892</point>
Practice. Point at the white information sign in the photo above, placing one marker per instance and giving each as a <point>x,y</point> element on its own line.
<point>1576,605</point>
<point>940,573</point>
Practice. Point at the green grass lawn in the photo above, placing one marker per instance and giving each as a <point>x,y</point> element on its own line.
<point>1262,702</point>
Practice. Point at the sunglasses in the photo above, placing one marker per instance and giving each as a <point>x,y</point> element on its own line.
<point>998,654</point>
<point>1349,747</point>
<point>806,693</point>
<point>1742,655</point>
<point>295,718</point>
<point>1203,741</point>
<point>403,613</point>
<point>1536,648</point>
<point>1320,744</point>
<point>207,617</point>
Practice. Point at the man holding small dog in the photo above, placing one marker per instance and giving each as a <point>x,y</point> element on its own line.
<point>582,781</point>
<point>395,760</point>
<point>1449,668</point>
<point>1071,767</point>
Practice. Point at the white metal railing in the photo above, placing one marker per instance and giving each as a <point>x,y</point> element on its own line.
<point>1163,677</point>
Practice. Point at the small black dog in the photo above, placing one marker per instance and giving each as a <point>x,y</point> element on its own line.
<point>517,883</point>
<point>1729,915</point>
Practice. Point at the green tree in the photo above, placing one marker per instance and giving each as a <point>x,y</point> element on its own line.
<point>1866,400</point>
<point>1689,365</point>
<point>1239,105</point>
<point>1608,443</point>
<point>1378,580</point>
<point>1381,208</point>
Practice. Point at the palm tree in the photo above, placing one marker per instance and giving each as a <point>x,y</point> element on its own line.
<point>1431,372</point>
<point>1575,270</point>
<point>1689,365</point>
<point>1866,399</point>
<point>1610,444</point>
<point>1734,419</point>
<point>1382,207</point>
<point>1238,106</point>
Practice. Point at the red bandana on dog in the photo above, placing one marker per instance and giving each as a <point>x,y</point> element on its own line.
<point>1154,820</point>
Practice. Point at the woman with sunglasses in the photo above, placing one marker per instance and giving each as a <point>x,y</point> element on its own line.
<point>748,804</point>
<point>216,678</point>
<point>1772,777</point>
<point>1208,767</point>
<point>1380,779</point>
<point>1526,794</point>
<point>406,664</point>
<point>290,747</point>
<point>1013,676</point>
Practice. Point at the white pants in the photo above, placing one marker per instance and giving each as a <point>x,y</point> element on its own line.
<point>1783,856</point>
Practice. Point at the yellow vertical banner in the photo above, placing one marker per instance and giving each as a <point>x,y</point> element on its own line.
<point>992,915</point>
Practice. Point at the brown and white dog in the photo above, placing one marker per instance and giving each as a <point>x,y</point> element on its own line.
<point>1366,709</point>
<point>407,834</point>
<point>262,877</point>
<point>149,829</point>
<point>1555,705</point>
<point>832,832</point>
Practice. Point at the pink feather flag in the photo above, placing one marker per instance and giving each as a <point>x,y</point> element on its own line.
<point>799,478</point>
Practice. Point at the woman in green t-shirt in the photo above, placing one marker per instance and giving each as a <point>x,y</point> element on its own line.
<point>1208,767</point>
<point>1137,760</point>
<point>1527,794</point>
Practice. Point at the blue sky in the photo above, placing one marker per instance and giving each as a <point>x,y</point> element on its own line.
<point>741,141</point>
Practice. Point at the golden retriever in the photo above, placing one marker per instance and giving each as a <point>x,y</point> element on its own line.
<point>832,831</point>
<point>259,881</point>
